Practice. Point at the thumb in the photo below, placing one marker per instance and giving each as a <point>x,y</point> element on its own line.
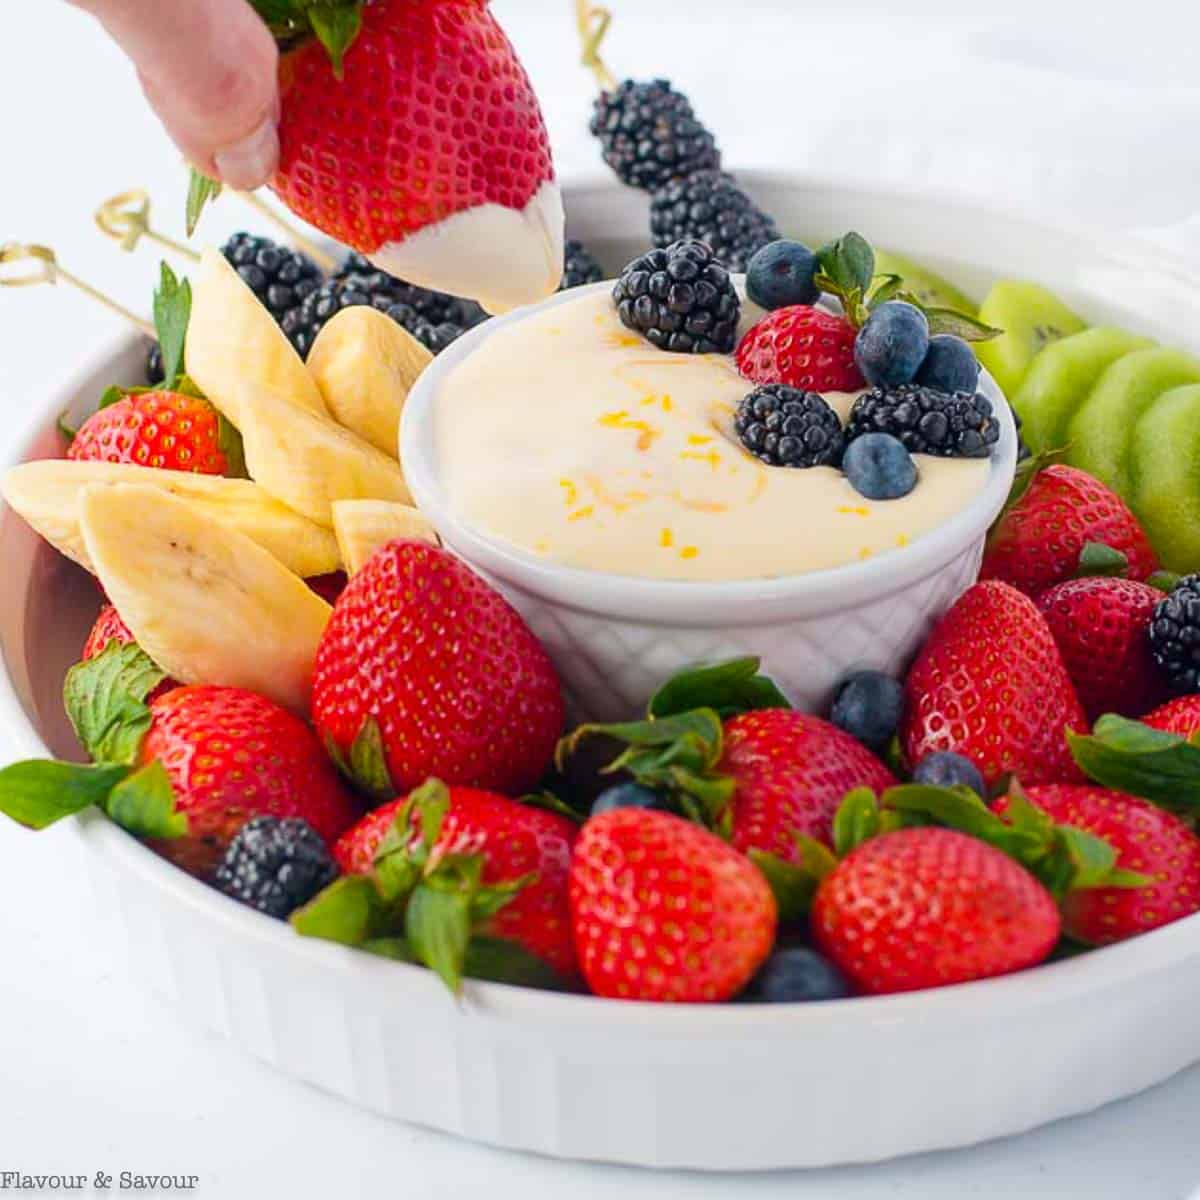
<point>209,69</point>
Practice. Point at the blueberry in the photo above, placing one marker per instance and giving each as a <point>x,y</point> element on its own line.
<point>879,467</point>
<point>797,975</point>
<point>781,274</point>
<point>868,706</point>
<point>950,365</point>
<point>626,795</point>
<point>944,768</point>
<point>892,344</point>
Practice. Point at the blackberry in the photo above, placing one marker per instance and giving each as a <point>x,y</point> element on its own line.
<point>579,267</point>
<point>926,421</point>
<point>306,320</point>
<point>154,364</point>
<point>649,134</point>
<point>680,298</point>
<point>1175,635</point>
<point>275,865</point>
<point>438,308</point>
<point>710,206</point>
<point>786,427</point>
<point>280,277</point>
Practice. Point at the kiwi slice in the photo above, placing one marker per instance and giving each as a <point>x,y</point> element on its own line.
<point>1099,434</point>
<point>1164,465</point>
<point>932,290</point>
<point>1061,377</point>
<point>1031,319</point>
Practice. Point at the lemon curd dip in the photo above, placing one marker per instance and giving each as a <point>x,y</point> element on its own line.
<point>571,437</point>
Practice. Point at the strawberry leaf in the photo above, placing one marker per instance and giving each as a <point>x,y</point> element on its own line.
<point>795,884</point>
<point>366,767</point>
<point>437,925</point>
<point>110,396</point>
<point>728,688</point>
<point>144,804</point>
<point>229,441</point>
<point>947,320</point>
<point>172,312</point>
<point>1128,756</point>
<point>857,820</point>
<point>1096,560</point>
<point>549,802</point>
<point>105,699</point>
<point>1164,581</point>
<point>493,959</point>
<point>201,189</point>
<point>350,911</point>
<point>336,27</point>
<point>38,793</point>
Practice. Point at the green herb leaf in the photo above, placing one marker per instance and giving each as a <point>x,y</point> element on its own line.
<point>794,885</point>
<point>856,821</point>
<point>1128,756</point>
<point>105,701</point>
<point>1097,559</point>
<point>348,911</point>
<point>336,27</point>
<point>39,792</point>
<point>848,264</point>
<point>728,688</point>
<point>172,312</point>
<point>946,320</point>
<point>201,189</point>
<point>887,289</point>
<point>144,804</point>
<point>437,924</point>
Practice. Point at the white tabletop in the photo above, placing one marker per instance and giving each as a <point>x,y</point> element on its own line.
<point>1030,106</point>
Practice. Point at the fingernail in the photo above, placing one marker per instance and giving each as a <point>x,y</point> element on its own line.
<point>251,162</point>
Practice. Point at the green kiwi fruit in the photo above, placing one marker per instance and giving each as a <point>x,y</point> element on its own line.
<point>1164,467</point>
<point>1031,318</point>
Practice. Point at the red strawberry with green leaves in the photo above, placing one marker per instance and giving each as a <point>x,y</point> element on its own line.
<point>110,628</point>
<point>465,881</point>
<point>990,684</point>
<point>1101,628</point>
<point>1148,842</point>
<point>726,750</point>
<point>410,132</point>
<point>169,430</point>
<point>1038,542</point>
<point>664,910</point>
<point>185,770</point>
<point>927,907</point>
<point>426,671</point>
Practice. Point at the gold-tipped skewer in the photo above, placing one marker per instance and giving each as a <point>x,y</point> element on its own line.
<point>322,258</point>
<point>593,22</point>
<point>126,219</point>
<point>47,269</point>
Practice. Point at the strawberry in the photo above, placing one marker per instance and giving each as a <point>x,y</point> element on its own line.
<point>231,755</point>
<point>790,772</point>
<point>801,347</point>
<point>414,136</point>
<point>110,628</point>
<point>1181,716</point>
<point>664,910</point>
<point>990,684</point>
<point>1100,626</point>
<point>515,841</point>
<point>170,430</point>
<point>1148,841</point>
<point>922,908</point>
<point>1038,542</point>
<point>425,670</point>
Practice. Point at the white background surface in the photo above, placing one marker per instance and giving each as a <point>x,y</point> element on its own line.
<point>1050,106</point>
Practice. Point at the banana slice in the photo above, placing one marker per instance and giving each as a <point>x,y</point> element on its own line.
<point>206,603</point>
<point>365,364</point>
<point>232,339</point>
<point>308,461</point>
<point>362,526</point>
<point>47,494</point>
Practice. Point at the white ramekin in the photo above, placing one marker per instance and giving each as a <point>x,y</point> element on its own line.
<point>732,1087</point>
<point>616,638</point>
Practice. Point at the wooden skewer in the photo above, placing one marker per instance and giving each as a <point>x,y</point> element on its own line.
<point>126,218</point>
<point>593,22</point>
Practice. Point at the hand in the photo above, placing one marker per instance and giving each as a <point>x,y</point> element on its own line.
<point>209,69</point>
